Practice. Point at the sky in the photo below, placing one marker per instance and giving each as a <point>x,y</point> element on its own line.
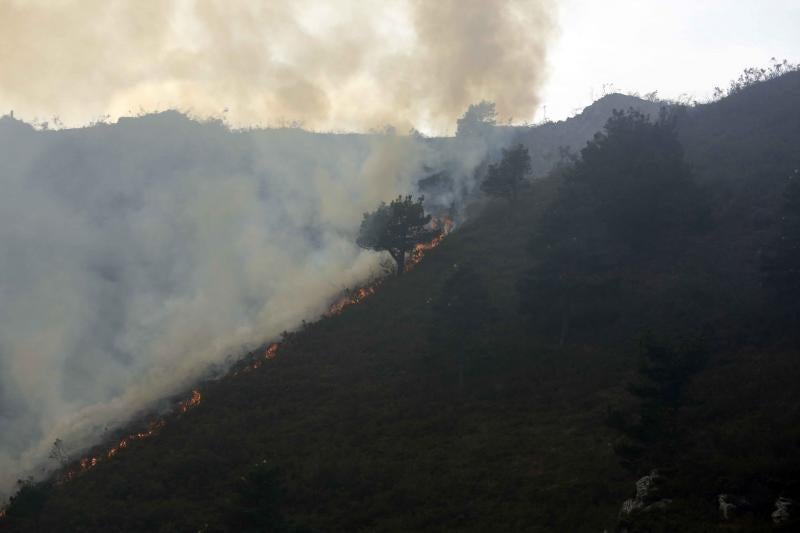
<point>350,65</point>
<point>675,47</point>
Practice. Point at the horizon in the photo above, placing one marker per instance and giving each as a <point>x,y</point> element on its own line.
<point>289,66</point>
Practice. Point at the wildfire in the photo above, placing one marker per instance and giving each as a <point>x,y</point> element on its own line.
<point>192,402</point>
<point>353,297</point>
<point>88,463</point>
<point>272,351</point>
<point>443,225</point>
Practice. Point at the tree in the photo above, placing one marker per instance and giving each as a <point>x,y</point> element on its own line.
<point>651,437</point>
<point>25,507</point>
<point>58,453</point>
<point>477,119</point>
<point>460,314</point>
<point>636,174</point>
<point>780,263</point>
<point>507,177</point>
<point>396,228</point>
<point>629,191</point>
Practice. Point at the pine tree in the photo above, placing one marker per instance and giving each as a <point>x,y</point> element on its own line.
<point>396,228</point>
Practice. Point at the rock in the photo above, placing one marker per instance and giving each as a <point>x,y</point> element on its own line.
<point>646,487</point>
<point>630,505</point>
<point>726,506</point>
<point>646,490</point>
<point>660,505</point>
<point>783,510</point>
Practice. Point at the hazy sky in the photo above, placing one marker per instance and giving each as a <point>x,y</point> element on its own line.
<point>675,46</point>
<point>358,64</point>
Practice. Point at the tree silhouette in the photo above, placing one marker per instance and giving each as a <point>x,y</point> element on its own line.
<point>396,228</point>
<point>477,120</point>
<point>506,178</point>
<point>461,314</point>
<point>780,264</point>
<point>652,436</point>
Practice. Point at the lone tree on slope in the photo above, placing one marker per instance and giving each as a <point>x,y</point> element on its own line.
<point>396,228</point>
<point>506,178</point>
<point>780,264</point>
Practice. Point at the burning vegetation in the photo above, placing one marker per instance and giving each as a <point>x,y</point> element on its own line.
<point>89,462</point>
<point>438,229</point>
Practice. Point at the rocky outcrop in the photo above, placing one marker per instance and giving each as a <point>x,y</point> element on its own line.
<point>783,511</point>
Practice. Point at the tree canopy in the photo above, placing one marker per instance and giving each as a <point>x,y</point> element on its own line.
<point>780,265</point>
<point>477,119</point>
<point>629,194</point>
<point>507,177</point>
<point>396,228</point>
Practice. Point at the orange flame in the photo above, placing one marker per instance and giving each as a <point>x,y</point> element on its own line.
<point>272,351</point>
<point>88,463</point>
<point>444,225</point>
<point>352,298</point>
<point>192,402</point>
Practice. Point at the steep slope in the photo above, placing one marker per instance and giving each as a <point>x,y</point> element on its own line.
<point>360,423</point>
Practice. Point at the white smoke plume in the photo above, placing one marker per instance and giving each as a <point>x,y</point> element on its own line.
<point>135,255</point>
<point>343,64</point>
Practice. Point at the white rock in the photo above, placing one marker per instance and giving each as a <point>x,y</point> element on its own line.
<point>646,486</point>
<point>783,510</point>
<point>630,505</point>
<point>726,506</point>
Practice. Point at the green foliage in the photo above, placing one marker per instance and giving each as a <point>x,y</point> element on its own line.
<point>780,265</point>
<point>257,501</point>
<point>508,177</point>
<point>630,198</point>
<point>27,504</point>
<point>754,75</point>
<point>461,314</point>
<point>636,180</point>
<point>651,436</point>
<point>396,228</point>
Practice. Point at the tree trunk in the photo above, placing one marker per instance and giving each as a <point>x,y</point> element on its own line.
<point>564,321</point>
<point>401,263</point>
<point>461,363</point>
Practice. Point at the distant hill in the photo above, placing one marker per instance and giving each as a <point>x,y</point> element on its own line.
<point>544,141</point>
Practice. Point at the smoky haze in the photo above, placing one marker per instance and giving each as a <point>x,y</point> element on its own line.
<point>134,256</point>
<point>344,65</point>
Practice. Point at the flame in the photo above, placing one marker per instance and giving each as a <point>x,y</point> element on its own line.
<point>192,402</point>
<point>352,297</point>
<point>88,463</point>
<point>272,351</point>
<point>443,226</point>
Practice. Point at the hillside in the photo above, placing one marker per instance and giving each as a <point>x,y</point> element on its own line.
<point>360,422</point>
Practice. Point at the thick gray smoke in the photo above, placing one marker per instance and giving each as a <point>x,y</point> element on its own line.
<point>343,64</point>
<point>134,256</point>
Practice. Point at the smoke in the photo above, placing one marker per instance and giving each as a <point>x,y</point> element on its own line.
<point>135,256</point>
<point>345,65</point>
